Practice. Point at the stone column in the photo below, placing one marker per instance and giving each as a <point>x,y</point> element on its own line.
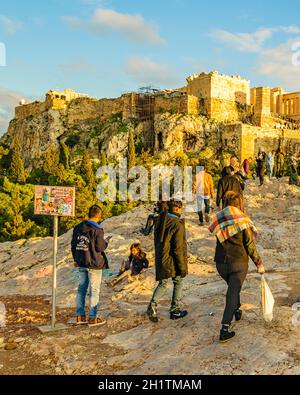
<point>279,104</point>
<point>298,106</point>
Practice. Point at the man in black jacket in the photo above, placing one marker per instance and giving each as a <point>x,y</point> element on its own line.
<point>170,259</point>
<point>261,164</point>
<point>88,246</point>
<point>228,182</point>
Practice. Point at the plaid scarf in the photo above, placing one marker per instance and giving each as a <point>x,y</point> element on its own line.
<point>229,222</point>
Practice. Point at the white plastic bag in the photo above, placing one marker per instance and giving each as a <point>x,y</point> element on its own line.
<point>267,300</point>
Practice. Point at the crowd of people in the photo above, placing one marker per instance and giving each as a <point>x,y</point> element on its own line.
<point>235,242</point>
<point>274,165</point>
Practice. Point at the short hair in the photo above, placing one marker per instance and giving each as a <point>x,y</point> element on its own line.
<point>174,204</point>
<point>233,199</point>
<point>94,211</point>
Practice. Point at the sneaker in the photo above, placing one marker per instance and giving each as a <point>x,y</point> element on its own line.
<point>178,314</point>
<point>152,313</point>
<point>96,322</point>
<point>207,219</point>
<point>81,320</point>
<point>238,315</point>
<point>225,335</point>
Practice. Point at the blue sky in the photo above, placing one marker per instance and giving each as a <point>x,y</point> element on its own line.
<point>104,48</point>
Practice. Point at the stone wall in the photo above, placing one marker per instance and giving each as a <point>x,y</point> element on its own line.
<point>253,137</point>
<point>85,109</point>
<point>170,103</point>
<point>218,96</point>
<point>30,110</point>
<point>190,133</point>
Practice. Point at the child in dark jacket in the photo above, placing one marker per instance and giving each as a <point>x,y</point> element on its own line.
<point>136,262</point>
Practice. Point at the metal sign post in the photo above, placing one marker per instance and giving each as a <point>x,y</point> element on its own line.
<point>54,274</point>
<point>57,202</point>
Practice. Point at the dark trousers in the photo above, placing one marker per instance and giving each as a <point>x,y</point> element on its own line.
<point>235,282</point>
<point>261,174</point>
<point>149,225</point>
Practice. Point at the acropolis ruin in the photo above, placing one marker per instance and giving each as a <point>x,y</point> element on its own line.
<point>209,102</point>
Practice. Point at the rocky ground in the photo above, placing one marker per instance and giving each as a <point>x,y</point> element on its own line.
<point>129,343</point>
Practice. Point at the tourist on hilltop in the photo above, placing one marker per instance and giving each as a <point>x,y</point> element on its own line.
<point>88,246</point>
<point>170,259</point>
<point>235,235</point>
<point>137,261</point>
<point>293,180</point>
<point>246,167</point>
<point>238,171</point>
<point>261,163</point>
<point>135,264</point>
<point>159,207</point>
<point>203,188</point>
<point>279,163</point>
<point>228,182</point>
<point>270,164</point>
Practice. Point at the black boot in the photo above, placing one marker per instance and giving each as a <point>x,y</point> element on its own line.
<point>225,335</point>
<point>152,313</point>
<point>178,314</point>
<point>238,315</point>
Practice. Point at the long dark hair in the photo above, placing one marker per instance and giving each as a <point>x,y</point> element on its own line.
<point>137,246</point>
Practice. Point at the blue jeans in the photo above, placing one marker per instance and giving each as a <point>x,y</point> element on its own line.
<point>200,201</point>
<point>161,289</point>
<point>88,280</point>
<point>270,169</point>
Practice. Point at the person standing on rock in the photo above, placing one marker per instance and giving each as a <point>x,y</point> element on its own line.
<point>261,162</point>
<point>88,246</point>
<point>270,164</point>
<point>279,163</point>
<point>203,187</point>
<point>170,259</point>
<point>228,182</point>
<point>235,235</point>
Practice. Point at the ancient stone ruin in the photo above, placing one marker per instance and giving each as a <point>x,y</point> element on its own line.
<point>212,110</point>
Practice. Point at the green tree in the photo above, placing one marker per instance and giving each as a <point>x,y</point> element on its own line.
<point>15,203</point>
<point>17,171</point>
<point>65,155</point>
<point>103,159</point>
<point>87,170</point>
<point>131,157</point>
<point>51,160</point>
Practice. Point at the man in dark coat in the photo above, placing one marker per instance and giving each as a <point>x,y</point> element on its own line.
<point>88,246</point>
<point>228,182</point>
<point>170,259</point>
<point>261,165</point>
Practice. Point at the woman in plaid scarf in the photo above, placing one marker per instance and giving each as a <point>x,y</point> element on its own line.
<point>235,235</point>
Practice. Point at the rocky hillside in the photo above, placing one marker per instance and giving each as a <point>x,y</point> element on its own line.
<point>129,343</point>
<point>37,133</point>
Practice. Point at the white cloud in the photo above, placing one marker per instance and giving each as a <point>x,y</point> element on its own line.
<point>251,42</point>
<point>104,21</point>
<point>78,65</point>
<point>144,71</point>
<point>9,25</point>
<point>277,64</point>
<point>245,42</point>
<point>8,101</point>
